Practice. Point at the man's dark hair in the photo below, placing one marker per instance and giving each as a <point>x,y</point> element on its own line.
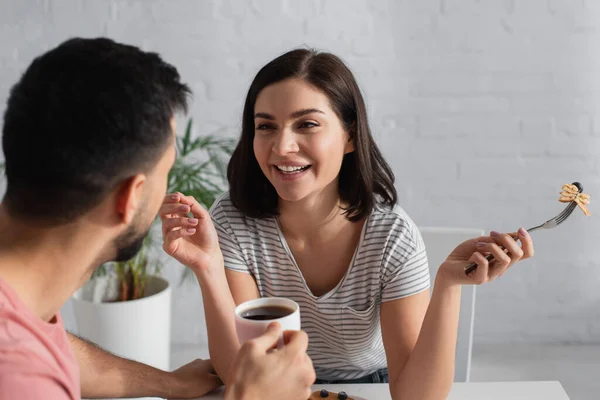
<point>84,117</point>
<point>364,173</point>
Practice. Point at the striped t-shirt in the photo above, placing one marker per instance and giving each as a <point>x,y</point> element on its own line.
<point>343,325</point>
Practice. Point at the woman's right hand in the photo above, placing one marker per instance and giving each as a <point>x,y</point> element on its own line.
<point>191,241</point>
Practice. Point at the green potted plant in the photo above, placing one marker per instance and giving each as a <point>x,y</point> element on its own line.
<point>126,306</point>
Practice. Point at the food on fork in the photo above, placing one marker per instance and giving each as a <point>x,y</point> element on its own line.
<point>571,193</point>
<point>325,394</point>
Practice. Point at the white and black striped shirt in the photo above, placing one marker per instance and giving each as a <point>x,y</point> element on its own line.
<point>343,325</point>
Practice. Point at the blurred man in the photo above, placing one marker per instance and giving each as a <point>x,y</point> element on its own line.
<point>88,140</point>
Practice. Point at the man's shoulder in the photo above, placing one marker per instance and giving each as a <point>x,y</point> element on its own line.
<point>34,361</point>
<point>24,345</point>
<point>18,336</point>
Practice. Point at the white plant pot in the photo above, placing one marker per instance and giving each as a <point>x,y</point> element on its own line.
<point>139,329</point>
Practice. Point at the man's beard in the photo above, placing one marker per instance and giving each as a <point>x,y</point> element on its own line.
<point>129,243</point>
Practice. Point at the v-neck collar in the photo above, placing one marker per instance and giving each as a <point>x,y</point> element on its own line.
<point>336,288</point>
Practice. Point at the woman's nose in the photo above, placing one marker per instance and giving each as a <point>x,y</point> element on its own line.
<point>285,142</point>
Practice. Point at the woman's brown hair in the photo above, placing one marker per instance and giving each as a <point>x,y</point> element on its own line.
<point>364,174</point>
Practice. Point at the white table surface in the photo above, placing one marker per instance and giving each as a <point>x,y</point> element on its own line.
<point>550,390</point>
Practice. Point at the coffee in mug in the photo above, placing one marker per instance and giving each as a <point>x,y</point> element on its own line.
<point>267,313</point>
<point>253,317</point>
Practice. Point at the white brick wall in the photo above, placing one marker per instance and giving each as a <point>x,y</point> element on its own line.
<point>483,108</point>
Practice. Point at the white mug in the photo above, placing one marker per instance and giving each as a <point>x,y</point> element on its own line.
<point>248,329</point>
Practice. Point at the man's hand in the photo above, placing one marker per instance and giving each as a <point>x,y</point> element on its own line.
<point>195,379</point>
<point>261,371</point>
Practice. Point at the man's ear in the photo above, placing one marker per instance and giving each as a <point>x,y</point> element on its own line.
<point>129,197</point>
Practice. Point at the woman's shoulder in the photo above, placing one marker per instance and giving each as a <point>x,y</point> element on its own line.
<point>394,220</point>
<point>392,215</point>
<point>222,202</point>
<point>223,210</point>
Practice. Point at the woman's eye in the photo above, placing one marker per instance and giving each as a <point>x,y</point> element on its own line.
<point>307,124</point>
<point>264,127</point>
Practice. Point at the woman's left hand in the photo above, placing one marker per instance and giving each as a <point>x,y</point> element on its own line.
<point>453,269</point>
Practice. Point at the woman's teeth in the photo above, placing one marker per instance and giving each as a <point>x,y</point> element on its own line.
<point>288,169</point>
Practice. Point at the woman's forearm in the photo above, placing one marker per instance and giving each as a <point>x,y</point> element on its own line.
<point>219,307</point>
<point>429,371</point>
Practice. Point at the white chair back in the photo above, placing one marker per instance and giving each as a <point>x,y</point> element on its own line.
<point>439,242</point>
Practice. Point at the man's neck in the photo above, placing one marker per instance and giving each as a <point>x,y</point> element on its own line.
<point>44,266</point>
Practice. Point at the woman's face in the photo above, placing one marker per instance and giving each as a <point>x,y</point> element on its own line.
<point>299,141</point>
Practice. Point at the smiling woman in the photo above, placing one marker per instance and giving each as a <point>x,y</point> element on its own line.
<point>322,228</point>
<point>312,216</point>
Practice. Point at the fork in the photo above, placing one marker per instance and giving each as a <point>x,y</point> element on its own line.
<point>551,223</point>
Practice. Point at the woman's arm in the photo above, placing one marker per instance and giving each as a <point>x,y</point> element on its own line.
<point>426,371</point>
<point>195,243</point>
<point>223,343</point>
<point>243,286</point>
<point>219,305</point>
<point>419,336</point>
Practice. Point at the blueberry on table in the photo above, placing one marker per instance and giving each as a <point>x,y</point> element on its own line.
<point>324,393</point>
<point>342,396</point>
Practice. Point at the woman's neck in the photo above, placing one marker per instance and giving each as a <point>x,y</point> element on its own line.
<point>314,216</point>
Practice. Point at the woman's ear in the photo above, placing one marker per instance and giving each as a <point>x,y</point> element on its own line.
<point>349,148</point>
<point>350,133</point>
